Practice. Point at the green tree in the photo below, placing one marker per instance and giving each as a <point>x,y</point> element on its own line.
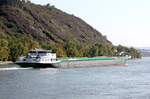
<point>4,50</point>
<point>94,51</point>
<point>71,49</point>
<point>134,53</point>
<point>120,48</point>
<point>34,44</point>
<point>16,50</point>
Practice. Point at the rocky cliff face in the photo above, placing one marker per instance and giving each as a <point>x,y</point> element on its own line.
<point>47,23</point>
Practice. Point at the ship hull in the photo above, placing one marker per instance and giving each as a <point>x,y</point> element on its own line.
<point>76,63</point>
<point>36,65</point>
<point>89,63</point>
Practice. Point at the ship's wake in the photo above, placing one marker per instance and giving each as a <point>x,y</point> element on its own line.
<point>19,68</point>
<point>13,68</point>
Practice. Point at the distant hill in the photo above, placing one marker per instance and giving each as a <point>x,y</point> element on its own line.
<point>46,23</point>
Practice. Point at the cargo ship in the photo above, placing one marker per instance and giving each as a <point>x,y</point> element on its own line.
<point>46,58</point>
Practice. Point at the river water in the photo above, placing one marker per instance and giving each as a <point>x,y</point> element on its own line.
<point>112,82</point>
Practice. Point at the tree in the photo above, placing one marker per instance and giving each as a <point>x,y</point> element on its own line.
<point>4,50</point>
<point>48,5</point>
<point>86,50</point>
<point>134,53</point>
<point>34,44</point>
<point>71,49</point>
<point>94,51</point>
<point>16,50</point>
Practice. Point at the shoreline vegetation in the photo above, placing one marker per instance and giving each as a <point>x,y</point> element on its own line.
<point>72,49</point>
<point>6,62</point>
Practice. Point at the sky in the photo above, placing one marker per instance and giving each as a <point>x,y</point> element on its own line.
<point>125,22</point>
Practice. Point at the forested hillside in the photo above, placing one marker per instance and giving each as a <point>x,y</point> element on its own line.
<point>25,26</point>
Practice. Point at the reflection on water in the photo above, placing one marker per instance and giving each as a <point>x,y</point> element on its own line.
<point>114,82</point>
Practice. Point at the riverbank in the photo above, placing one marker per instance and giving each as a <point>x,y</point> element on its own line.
<point>5,62</point>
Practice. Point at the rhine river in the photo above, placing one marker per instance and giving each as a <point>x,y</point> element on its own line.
<point>112,82</point>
